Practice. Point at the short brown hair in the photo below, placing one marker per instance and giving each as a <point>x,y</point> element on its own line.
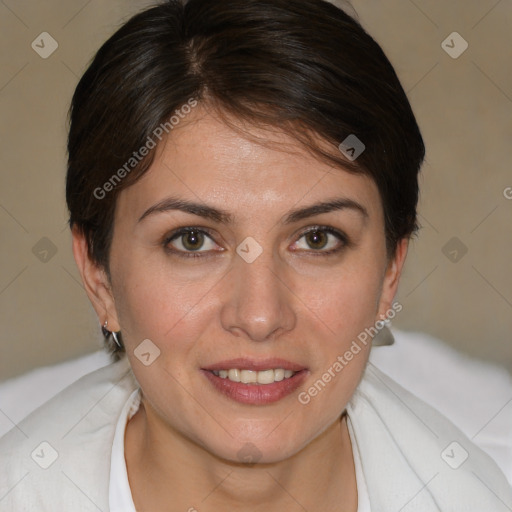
<point>304,66</point>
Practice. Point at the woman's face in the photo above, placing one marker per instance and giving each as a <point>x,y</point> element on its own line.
<point>250,291</point>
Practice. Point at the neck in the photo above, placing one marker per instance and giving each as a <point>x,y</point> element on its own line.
<point>164,467</point>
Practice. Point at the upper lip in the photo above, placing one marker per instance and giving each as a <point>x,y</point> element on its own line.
<point>243,363</point>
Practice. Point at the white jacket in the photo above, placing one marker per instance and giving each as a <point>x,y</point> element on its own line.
<point>414,459</point>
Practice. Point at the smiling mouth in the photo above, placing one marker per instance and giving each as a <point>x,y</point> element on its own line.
<point>255,387</point>
<point>255,381</point>
<point>254,377</point>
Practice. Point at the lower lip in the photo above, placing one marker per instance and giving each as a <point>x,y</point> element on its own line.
<point>256,394</point>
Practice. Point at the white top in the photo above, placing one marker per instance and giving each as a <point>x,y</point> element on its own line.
<point>472,393</point>
<point>120,495</point>
<point>363,499</point>
<point>414,458</point>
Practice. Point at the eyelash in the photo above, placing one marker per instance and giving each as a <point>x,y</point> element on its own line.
<point>196,254</point>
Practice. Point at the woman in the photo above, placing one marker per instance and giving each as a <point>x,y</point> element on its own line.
<point>242,186</point>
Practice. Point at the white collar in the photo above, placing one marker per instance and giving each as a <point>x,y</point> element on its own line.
<point>120,495</point>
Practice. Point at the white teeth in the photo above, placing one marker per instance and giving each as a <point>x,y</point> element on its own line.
<point>255,377</point>
<point>234,375</point>
<point>266,377</point>
<point>278,374</point>
<point>248,376</point>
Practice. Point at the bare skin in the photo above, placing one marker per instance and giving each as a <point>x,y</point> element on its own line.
<point>182,447</point>
<point>253,488</point>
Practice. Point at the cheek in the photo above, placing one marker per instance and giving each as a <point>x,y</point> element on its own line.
<point>343,313</point>
<point>345,301</point>
<point>156,303</point>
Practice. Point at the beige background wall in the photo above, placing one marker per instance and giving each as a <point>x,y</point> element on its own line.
<point>463,106</point>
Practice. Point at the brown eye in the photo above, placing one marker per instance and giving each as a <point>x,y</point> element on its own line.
<point>323,240</point>
<point>187,241</point>
<point>317,239</point>
<point>192,240</point>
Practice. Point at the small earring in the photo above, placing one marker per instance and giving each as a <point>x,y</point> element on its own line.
<point>384,337</point>
<point>107,333</point>
<point>118,343</point>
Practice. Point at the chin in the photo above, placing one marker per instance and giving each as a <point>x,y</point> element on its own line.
<point>262,450</point>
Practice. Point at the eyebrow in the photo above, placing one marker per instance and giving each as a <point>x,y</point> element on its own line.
<point>224,217</point>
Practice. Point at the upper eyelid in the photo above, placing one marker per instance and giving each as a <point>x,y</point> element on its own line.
<point>179,232</point>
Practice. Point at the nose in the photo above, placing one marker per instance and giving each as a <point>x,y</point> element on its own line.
<point>258,303</point>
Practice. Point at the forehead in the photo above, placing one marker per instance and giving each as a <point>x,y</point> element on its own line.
<point>242,168</point>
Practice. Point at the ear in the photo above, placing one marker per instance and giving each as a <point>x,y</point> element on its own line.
<point>391,278</point>
<point>96,282</point>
